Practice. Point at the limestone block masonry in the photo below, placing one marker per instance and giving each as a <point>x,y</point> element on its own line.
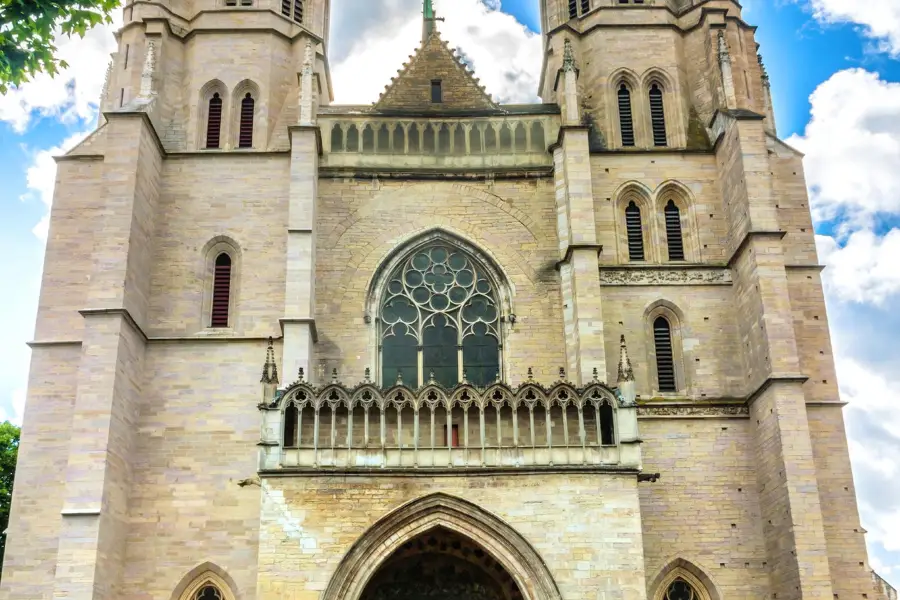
<point>574,350</point>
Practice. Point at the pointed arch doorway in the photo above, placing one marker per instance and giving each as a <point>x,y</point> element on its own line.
<point>441,547</point>
<point>441,565</point>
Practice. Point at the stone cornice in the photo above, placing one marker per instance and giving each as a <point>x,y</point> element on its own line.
<point>471,471</point>
<point>432,174</point>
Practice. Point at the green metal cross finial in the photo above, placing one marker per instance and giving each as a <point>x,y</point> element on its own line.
<point>428,19</point>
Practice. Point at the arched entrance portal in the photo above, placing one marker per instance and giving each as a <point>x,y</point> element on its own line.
<point>441,565</point>
<point>491,554</point>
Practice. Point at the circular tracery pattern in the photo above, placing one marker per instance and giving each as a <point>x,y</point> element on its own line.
<point>440,299</point>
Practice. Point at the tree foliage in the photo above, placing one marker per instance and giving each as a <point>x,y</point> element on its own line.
<point>27,30</point>
<point>9,452</point>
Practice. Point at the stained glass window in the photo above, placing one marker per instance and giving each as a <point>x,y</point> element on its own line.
<point>440,311</point>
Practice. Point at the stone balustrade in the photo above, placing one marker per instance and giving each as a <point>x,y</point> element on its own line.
<point>466,427</point>
<point>370,140</point>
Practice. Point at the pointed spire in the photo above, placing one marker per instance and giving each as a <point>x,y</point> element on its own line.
<point>269,379</point>
<point>626,372</point>
<point>428,19</point>
<point>270,369</point>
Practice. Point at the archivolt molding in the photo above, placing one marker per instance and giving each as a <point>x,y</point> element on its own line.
<point>680,568</point>
<point>201,576</point>
<point>492,533</point>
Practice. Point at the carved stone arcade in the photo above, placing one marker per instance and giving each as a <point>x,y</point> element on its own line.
<point>433,427</point>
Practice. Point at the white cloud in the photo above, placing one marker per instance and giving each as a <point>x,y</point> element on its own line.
<point>874,426</point>
<point>73,95</point>
<point>505,55</point>
<point>880,19</point>
<point>865,269</point>
<point>40,178</point>
<point>14,409</point>
<point>852,147</point>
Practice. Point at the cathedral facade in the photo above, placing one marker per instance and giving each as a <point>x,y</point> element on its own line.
<point>574,350</point>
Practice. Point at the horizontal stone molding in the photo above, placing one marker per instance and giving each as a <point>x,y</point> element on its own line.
<point>670,410</point>
<point>666,276</point>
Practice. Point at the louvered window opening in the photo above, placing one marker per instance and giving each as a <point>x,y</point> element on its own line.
<point>245,137</point>
<point>214,122</point>
<point>657,116</point>
<point>674,236</point>
<point>665,361</point>
<point>573,9</point>
<point>626,121</point>
<point>585,6</point>
<point>221,297</point>
<point>293,9</point>
<point>635,232</point>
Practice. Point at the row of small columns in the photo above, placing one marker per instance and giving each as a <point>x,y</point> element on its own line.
<point>534,141</point>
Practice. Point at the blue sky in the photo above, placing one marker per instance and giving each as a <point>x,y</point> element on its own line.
<point>835,72</point>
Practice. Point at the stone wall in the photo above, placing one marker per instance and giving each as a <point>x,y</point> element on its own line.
<point>362,222</point>
<point>586,528</point>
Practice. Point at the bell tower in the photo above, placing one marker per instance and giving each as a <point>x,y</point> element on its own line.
<point>174,57</point>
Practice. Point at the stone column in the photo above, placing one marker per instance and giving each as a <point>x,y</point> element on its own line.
<point>98,475</point>
<point>786,472</point>
<point>577,230</point>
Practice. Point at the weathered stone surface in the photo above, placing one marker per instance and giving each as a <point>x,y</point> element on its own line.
<point>147,469</point>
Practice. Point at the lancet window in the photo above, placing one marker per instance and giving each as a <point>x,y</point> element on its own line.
<point>209,592</point>
<point>440,318</point>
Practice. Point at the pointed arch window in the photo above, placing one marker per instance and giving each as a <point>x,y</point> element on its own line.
<point>674,236</point>
<point>626,121</point>
<point>665,361</point>
<point>635,231</point>
<point>221,293</point>
<point>657,116</point>
<point>209,592</point>
<point>214,121</point>
<point>681,590</point>
<point>440,315</point>
<point>245,137</point>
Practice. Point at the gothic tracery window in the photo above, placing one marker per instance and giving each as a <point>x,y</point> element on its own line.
<point>681,590</point>
<point>440,316</point>
<point>209,592</point>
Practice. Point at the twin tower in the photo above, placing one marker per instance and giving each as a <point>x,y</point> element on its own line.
<point>572,350</point>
